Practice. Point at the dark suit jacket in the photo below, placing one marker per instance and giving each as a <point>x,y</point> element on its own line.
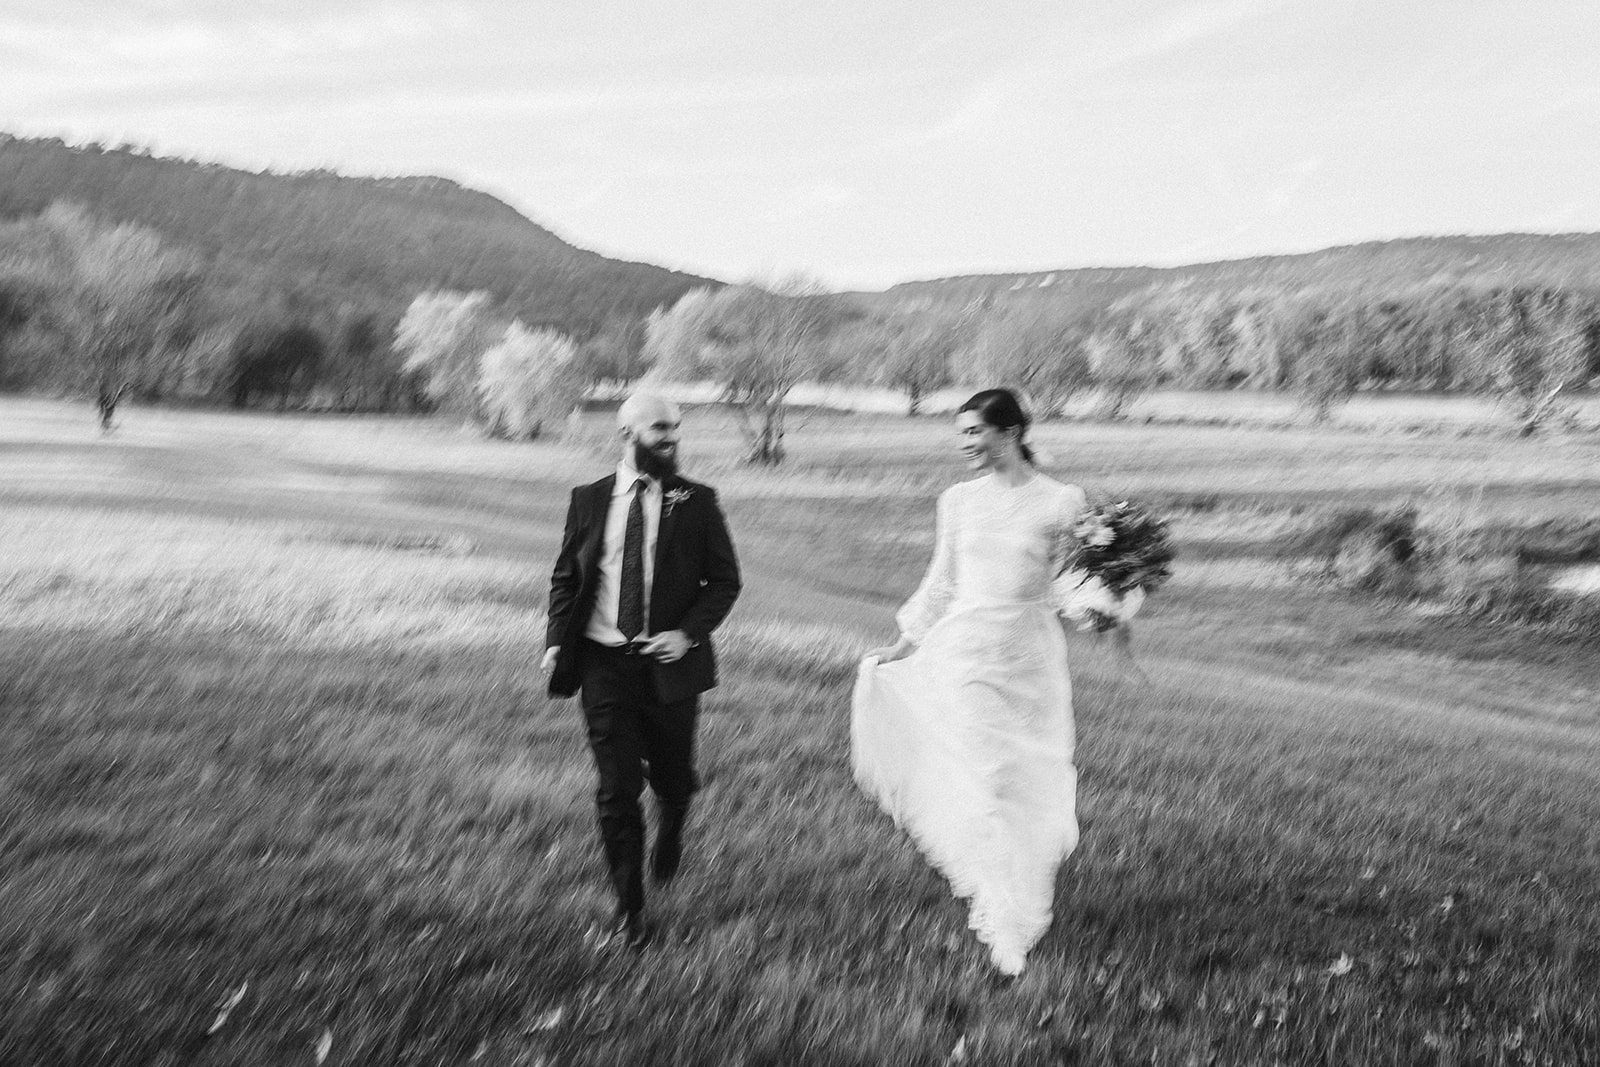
<point>695,583</point>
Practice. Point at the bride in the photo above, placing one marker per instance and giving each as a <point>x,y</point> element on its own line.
<point>962,730</point>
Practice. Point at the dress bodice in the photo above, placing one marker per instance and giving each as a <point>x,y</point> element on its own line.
<point>994,544</point>
<point>1006,541</point>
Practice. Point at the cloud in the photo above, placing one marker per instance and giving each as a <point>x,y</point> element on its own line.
<point>1174,30</point>
<point>1071,53</point>
<point>124,57</point>
<point>976,108</point>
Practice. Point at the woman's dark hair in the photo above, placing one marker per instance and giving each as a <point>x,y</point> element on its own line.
<point>1001,409</point>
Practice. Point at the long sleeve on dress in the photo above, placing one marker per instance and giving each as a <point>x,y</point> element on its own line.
<point>938,589</point>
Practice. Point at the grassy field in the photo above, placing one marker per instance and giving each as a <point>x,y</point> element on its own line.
<point>278,781</point>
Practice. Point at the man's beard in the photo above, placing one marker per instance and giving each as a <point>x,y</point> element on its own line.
<point>648,461</point>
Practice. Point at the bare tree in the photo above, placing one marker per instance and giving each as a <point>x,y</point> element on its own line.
<point>1542,352</point>
<point>757,344</point>
<point>1035,345</point>
<point>911,348</point>
<point>1124,357</point>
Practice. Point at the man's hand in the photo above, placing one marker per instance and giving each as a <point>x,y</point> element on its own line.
<point>667,647</point>
<point>548,664</point>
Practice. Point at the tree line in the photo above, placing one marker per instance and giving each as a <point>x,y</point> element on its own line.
<point>109,310</point>
<point>1525,344</point>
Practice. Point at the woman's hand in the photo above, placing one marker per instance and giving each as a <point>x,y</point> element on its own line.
<point>888,654</point>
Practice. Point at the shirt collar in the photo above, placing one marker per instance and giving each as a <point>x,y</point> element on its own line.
<point>627,474</point>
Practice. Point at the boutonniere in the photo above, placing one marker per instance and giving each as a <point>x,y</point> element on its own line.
<point>675,497</point>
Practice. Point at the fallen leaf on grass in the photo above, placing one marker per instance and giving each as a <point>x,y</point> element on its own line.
<point>324,1045</point>
<point>959,1053</point>
<point>1278,1015</point>
<point>1343,965</point>
<point>229,1002</point>
<point>548,1021</point>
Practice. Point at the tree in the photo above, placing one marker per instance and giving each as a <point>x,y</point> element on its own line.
<point>1035,345</point>
<point>1198,342</point>
<point>119,292</point>
<point>363,373</point>
<point>1123,357</point>
<point>19,301</point>
<point>911,349</point>
<point>279,362</point>
<point>1257,329</point>
<point>1323,373</point>
<point>442,335</point>
<point>528,381</point>
<point>757,344</point>
<point>1542,351</point>
<point>615,352</point>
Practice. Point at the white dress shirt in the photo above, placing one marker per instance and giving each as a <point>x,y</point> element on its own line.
<point>603,620</point>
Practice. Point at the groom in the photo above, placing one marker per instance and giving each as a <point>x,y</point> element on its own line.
<point>645,573</point>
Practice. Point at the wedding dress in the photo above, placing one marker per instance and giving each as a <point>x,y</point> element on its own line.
<point>967,743</point>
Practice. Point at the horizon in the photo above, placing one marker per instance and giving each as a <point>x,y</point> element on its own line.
<point>147,151</point>
<point>870,147</point>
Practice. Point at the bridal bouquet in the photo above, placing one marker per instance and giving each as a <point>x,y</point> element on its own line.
<point>1123,552</point>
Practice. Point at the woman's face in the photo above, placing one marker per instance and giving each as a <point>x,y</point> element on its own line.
<point>981,445</point>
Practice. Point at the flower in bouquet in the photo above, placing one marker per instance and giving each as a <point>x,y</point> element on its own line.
<point>1122,551</point>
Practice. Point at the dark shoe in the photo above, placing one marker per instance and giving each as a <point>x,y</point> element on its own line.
<point>665,857</point>
<point>628,930</point>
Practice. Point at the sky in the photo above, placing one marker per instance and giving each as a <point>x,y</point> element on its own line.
<point>866,142</point>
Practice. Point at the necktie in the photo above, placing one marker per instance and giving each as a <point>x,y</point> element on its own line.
<point>630,598</point>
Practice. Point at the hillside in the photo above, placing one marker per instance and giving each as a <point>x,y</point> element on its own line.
<point>334,239</point>
<point>1386,266</point>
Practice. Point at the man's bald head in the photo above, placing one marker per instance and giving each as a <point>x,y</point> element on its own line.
<point>643,409</point>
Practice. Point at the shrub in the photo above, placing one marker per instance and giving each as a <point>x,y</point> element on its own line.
<point>1491,572</point>
<point>1371,549</point>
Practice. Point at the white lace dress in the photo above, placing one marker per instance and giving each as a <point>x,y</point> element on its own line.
<point>967,743</point>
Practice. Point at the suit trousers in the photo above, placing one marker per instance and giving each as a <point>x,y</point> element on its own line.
<point>630,729</point>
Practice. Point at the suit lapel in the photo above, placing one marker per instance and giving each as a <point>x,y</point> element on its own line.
<point>669,520</point>
<point>599,504</point>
